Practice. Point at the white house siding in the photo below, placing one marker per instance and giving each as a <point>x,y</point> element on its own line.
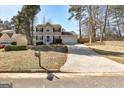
<point>69,39</point>
<point>57,33</point>
<point>37,33</point>
<point>45,34</point>
<point>48,27</point>
<point>38,39</point>
<point>45,39</point>
<point>53,30</point>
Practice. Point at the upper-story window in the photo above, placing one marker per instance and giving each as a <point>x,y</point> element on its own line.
<point>47,29</point>
<point>56,29</point>
<point>53,30</point>
<point>41,29</point>
<point>36,29</point>
<point>60,29</point>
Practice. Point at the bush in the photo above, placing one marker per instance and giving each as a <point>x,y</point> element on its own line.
<point>80,40</point>
<point>15,48</point>
<point>58,41</point>
<point>39,43</point>
<point>83,40</point>
<point>14,43</point>
<point>1,34</point>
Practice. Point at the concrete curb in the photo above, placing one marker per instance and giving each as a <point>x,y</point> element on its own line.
<point>29,71</point>
<point>61,75</point>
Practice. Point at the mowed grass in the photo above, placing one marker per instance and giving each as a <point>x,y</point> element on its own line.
<point>113,50</point>
<point>52,57</point>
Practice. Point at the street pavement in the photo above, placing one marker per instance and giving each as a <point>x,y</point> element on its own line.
<point>63,80</point>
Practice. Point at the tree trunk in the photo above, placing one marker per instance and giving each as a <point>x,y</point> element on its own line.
<point>90,25</point>
<point>104,28</point>
<point>80,29</point>
<point>29,40</point>
<point>94,33</point>
<point>80,11</point>
<point>94,16</point>
<point>90,38</point>
<point>119,31</point>
<point>101,34</point>
<point>28,33</point>
<point>32,30</point>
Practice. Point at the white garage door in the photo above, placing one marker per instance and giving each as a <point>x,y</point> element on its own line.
<point>69,39</point>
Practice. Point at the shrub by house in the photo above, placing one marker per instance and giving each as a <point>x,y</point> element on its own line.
<point>15,48</point>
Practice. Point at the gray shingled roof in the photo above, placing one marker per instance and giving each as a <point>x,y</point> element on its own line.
<point>55,26</point>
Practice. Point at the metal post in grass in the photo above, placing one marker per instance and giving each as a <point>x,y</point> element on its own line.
<point>39,57</point>
<point>50,75</point>
<point>38,54</point>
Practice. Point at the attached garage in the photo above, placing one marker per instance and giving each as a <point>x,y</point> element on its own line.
<point>69,38</point>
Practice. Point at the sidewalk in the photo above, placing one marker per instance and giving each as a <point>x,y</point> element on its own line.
<point>82,59</point>
<point>66,80</point>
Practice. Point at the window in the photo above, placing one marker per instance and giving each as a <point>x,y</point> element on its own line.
<point>41,37</point>
<point>41,30</point>
<point>53,30</point>
<point>47,29</point>
<point>60,29</point>
<point>36,29</point>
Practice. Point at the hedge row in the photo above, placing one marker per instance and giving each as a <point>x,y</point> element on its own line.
<point>15,48</point>
<point>1,34</point>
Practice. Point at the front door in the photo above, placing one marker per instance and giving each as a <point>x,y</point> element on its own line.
<point>48,39</point>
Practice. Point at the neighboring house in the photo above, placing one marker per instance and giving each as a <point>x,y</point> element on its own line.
<point>5,39</point>
<point>10,36</point>
<point>20,39</point>
<point>48,33</point>
<point>8,32</point>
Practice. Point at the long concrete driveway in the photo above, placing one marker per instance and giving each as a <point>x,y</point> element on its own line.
<point>82,59</point>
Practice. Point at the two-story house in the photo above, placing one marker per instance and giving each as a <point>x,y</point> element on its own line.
<point>48,33</point>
